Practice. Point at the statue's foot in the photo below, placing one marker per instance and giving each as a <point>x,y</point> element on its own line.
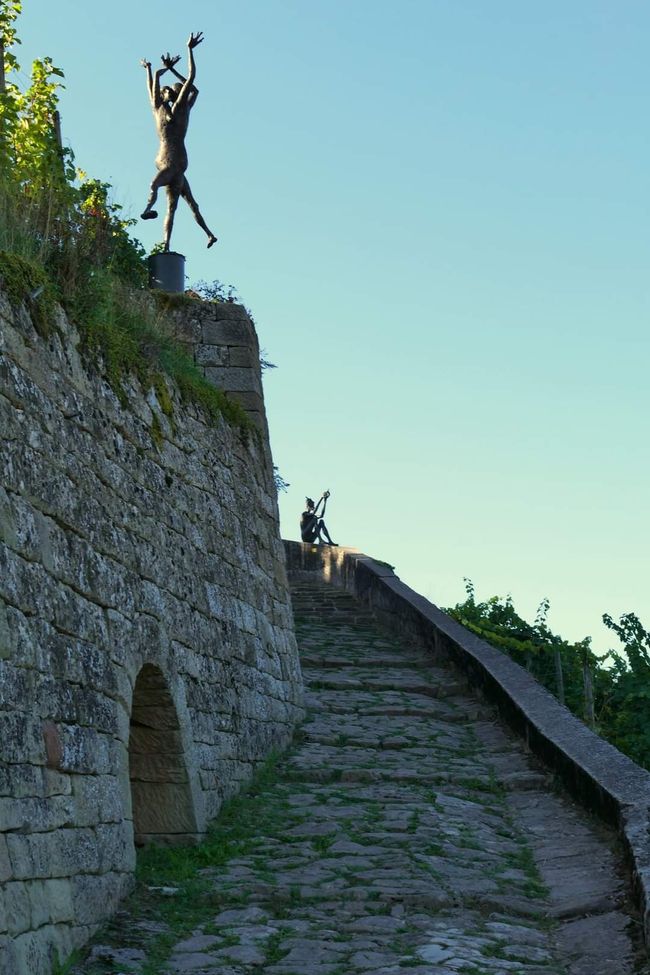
<point>149,215</point>
<point>212,240</point>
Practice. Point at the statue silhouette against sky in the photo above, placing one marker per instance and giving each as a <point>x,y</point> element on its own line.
<point>312,526</point>
<point>171,107</point>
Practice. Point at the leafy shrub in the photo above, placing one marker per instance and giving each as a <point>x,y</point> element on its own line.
<point>620,678</point>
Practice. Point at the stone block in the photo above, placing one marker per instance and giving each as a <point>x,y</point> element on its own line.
<point>252,402</point>
<point>17,683</point>
<point>187,328</point>
<point>20,780</point>
<point>17,907</point>
<point>5,862</point>
<point>21,740</point>
<point>8,960</point>
<point>38,903</point>
<point>26,585</point>
<point>28,859</point>
<point>33,951</point>
<point>73,614</point>
<point>162,808</point>
<point>55,783</point>
<point>157,767</point>
<point>53,747</point>
<point>76,852</point>
<point>115,847</point>
<point>234,332</point>
<point>213,355</point>
<point>239,379</point>
<point>93,898</point>
<point>59,898</point>
<point>59,853</point>
<point>245,356</point>
<point>5,633</point>
<point>98,799</point>
<point>85,751</point>
<point>228,311</point>
<point>36,814</point>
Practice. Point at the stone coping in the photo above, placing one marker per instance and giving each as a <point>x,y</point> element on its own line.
<point>598,775</point>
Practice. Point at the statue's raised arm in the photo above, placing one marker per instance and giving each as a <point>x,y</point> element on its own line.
<point>193,41</point>
<point>170,63</point>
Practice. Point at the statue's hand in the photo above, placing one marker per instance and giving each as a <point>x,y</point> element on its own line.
<point>169,61</point>
<point>195,39</point>
<point>145,63</point>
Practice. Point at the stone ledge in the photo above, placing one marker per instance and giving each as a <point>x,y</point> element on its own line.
<point>603,779</point>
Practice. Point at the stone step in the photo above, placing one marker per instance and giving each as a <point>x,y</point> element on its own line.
<point>331,683</point>
<point>332,662</point>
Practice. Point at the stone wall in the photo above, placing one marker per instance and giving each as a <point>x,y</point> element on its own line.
<point>147,655</point>
<point>221,339</point>
<point>604,780</point>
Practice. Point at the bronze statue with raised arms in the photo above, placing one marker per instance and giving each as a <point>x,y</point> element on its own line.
<point>171,107</point>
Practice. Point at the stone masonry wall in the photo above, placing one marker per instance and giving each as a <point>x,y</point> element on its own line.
<point>221,339</point>
<point>147,655</point>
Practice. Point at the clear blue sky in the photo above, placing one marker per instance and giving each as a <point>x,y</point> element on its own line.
<point>438,214</point>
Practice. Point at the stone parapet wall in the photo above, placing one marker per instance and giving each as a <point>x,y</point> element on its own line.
<point>604,780</point>
<point>147,657</point>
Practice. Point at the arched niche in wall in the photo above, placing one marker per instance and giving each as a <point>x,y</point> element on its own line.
<point>163,809</point>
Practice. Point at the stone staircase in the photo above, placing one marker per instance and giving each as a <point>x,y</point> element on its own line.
<point>406,831</point>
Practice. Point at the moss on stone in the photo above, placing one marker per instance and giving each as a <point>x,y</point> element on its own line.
<point>163,395</point>
<point>156,432</point>
<point>27,283</point>
<point>195,388</point>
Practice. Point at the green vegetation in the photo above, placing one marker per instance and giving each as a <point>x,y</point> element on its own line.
<point>274,952</point>
<point>612,692</point>
<point>65,967</point>
<point>62,238</point>
<point>25,281</point>
<point>258,810</point>
<point>233,834</point>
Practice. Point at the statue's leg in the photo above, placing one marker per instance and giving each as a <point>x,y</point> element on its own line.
<point>324,531</point>
<point>172,203</point>
<point>186,193</point>
<point>162,179</point>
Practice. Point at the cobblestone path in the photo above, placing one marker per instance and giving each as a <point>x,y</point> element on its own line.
<point>407,832</point>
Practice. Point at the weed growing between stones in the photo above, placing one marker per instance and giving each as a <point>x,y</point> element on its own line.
<point>321,844</point>
<point>274,952</point>
<point>156,432</point>
<point>414,821</point>
<point>64,967</point>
